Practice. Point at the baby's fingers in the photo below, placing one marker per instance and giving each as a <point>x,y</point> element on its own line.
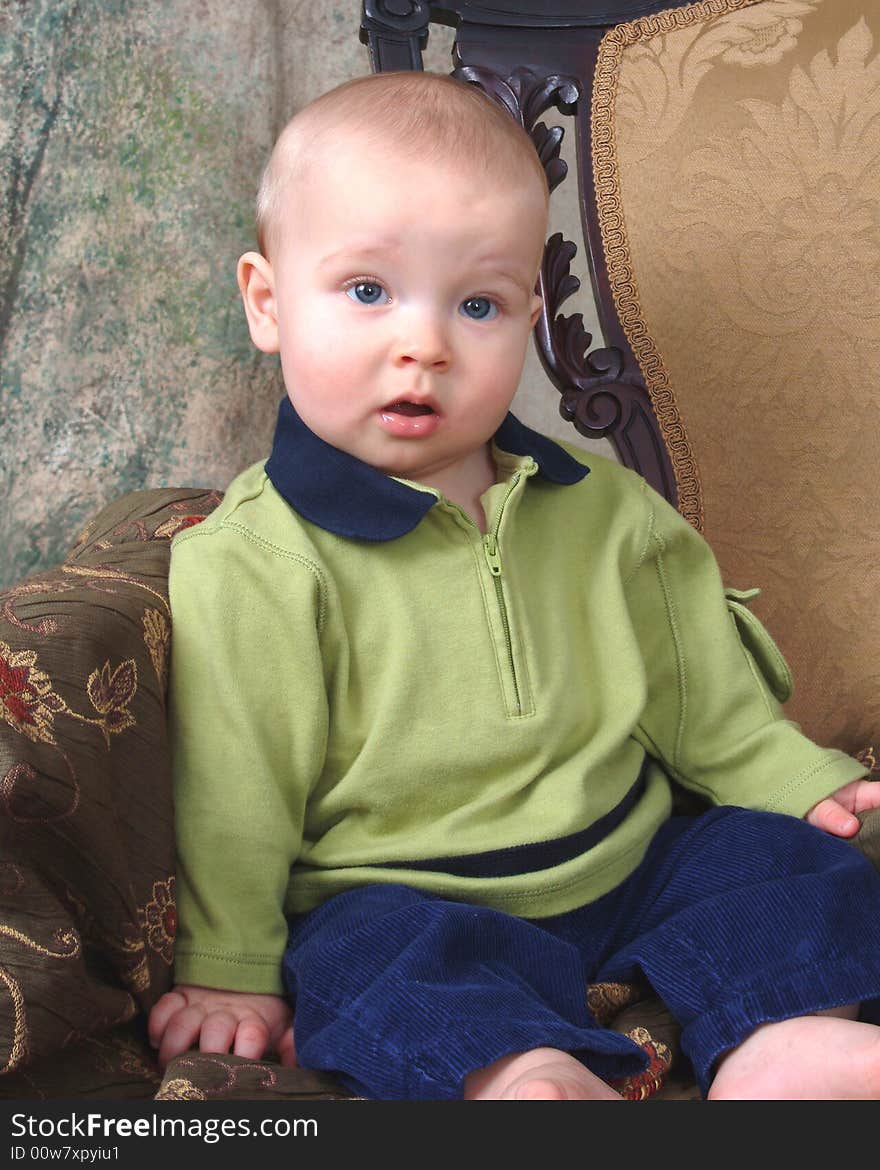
<point>867,796</point>
<point>831,816</point>
<point>181,1033</point>
<point>217,1031</point>
<point>251,1037</point>
<point>286,1049</point>
<point>163,1010</point>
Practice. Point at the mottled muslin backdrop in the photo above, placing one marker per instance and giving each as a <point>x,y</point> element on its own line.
<point>131,142</point>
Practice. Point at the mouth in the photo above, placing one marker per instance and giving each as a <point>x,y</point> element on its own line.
<point>406,418</point>
<point>409,409</point>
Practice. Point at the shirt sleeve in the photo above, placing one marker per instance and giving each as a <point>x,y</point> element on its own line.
<point>712,716</point>
<point>248,732</point>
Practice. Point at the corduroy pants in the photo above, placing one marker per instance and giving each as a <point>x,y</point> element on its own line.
<point>735,918</point>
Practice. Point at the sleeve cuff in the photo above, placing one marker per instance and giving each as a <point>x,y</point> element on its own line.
<point>815,783</point>
<point>259,976</point>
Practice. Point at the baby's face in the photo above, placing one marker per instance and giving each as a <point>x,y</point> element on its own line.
<point>404,299</point>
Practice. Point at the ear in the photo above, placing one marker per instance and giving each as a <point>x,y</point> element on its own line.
<point>537,305</point>
<point>256,280</point>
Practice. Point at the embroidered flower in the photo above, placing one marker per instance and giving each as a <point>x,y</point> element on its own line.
<point>157,636</point>
<point>159,919</point>
<point>169,528</point>
<point>180,1089</point>
<point>111,692</point>
<point>27,701</point>
<point>645,1084</point>
<point>867,756</point>
<point>606,1000</point>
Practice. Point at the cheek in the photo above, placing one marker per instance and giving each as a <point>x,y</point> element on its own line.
<point>318,355</point>
<point>498,366</point>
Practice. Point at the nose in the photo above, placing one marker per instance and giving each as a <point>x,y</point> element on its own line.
<point>423,341</point>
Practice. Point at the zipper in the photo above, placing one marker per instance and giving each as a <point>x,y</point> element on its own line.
<point>493,559</point>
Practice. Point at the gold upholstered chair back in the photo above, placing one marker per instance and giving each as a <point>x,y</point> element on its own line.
<point>745,154</point>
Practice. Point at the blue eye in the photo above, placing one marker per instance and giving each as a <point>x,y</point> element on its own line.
<point>479,308</point>
<point>367,292</point>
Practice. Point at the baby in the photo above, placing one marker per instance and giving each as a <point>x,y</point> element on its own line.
<point>434,675</point>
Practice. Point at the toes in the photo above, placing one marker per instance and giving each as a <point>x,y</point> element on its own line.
<point>540,1089</point>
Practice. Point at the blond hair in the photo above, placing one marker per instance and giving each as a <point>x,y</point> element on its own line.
<point>427,116</point>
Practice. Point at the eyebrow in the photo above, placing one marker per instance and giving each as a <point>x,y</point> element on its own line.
<point>349,251</point>
<point>514,278</point>
<point>497,266</point>
<point>377,250</point>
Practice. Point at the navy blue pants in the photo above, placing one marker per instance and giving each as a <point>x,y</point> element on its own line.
<point>735,918</point>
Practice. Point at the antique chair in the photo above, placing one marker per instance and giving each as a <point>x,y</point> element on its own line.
<point>729,184</point>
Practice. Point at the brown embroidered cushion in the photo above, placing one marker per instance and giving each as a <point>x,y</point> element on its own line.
<point>87,878</point>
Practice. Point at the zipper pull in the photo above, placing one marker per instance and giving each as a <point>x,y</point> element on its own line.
<point>493,553</point>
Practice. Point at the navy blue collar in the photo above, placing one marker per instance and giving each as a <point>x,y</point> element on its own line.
<point>344,495</point>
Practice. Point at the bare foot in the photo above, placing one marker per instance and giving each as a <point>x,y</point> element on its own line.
<point>809,1058</point>
<point>544,1074</point>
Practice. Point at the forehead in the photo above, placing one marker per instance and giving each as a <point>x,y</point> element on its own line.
<point>377,198</point>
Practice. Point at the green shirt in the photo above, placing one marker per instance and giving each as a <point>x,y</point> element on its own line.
<point>341,707</point>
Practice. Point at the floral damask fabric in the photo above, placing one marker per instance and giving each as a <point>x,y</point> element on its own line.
<point>86,834</point>
<point>746,165</point>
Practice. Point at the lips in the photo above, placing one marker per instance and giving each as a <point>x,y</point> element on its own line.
<point>410,409</point>
<point>406,418</point>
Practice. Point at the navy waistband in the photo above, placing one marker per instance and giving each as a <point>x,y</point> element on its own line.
<point>517,859</point>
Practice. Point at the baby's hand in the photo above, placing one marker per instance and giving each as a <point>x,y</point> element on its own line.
<point>221,1021</point>
<point>835,814</point>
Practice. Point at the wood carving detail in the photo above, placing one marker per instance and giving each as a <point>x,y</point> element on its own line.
<point>396,32</point>
<point>401,16</point>
<point>590,383</point>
